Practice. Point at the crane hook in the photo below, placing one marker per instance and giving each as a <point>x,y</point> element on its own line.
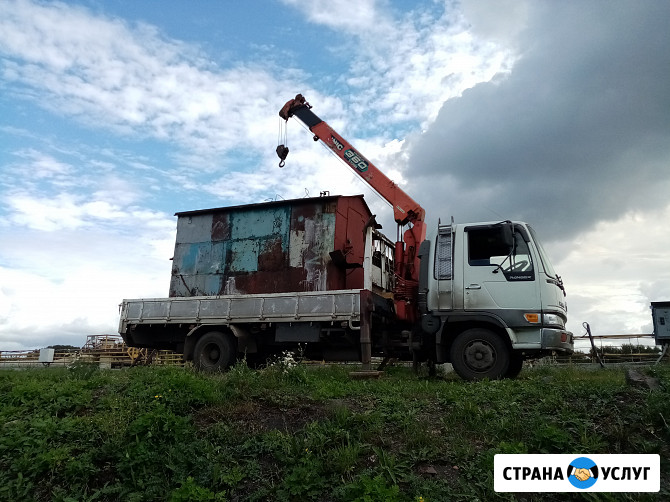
<point>282,152</point>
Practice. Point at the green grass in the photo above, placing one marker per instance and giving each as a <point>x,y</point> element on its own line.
<point>308,433</point>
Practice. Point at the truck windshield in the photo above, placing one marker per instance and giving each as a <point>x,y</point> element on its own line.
<point>544,258</point>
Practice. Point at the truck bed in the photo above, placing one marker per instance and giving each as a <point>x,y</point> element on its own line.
<point>339,305</point>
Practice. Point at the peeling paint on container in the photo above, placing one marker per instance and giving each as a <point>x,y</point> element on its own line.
<point>273,247</point>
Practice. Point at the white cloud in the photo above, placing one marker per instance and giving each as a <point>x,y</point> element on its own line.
<point>58,213</point>
<point>402,67</point>
<point>349,16</point>
<point>129,78</point>
<point>113,74</point>
<point>44,166</point>
<point>615,270</point>
<point>60,286</point>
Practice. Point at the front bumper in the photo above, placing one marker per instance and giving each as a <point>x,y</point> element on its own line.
<point>559,340</point>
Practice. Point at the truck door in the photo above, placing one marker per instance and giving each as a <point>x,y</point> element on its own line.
<point>499,271</point>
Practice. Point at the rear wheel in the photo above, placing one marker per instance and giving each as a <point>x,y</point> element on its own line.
<point>480,353</point>
<point>214,351</point>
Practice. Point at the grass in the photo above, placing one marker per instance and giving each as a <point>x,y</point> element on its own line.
<point>308,433</point>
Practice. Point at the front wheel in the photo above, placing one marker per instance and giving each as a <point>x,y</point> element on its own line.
<point>480,353</point>
<point>214,351</point>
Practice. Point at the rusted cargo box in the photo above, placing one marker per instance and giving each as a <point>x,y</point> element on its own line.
<point>310,244</point>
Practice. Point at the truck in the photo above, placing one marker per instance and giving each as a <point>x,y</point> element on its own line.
<point>317,274</point>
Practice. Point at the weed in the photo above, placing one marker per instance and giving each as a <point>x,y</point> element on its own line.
<point>392,469</point>
<point>343,459</point>
<point>296,432</point>
<point>303,481</point>
<point>190,491</point>
<point>288,367</point>
<point>83,370</point>
<point>367,489</point>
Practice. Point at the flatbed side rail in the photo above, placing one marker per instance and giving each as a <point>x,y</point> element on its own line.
<point>339,305</point>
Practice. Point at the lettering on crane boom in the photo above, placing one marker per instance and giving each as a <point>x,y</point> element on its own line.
<point>351,156</point>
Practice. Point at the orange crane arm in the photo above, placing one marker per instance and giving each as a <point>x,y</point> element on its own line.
<point>405,209</point>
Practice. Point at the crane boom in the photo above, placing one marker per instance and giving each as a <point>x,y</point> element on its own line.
<point>406,211</point>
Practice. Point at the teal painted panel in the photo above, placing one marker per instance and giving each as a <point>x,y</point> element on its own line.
<point>244,256</point>
<point>256,224</point>
<point>185,258</point>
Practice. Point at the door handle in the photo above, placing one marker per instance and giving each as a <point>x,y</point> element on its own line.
<point>474,286</point>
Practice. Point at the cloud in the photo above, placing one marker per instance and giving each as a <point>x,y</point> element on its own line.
<point>76,240</point>
<point>344,15</point>
<point>502,20</point>
<point>68,191</point>
<point>576,133</point>
<point>619,267</point>
<point>112,74</point>
<point>130,78</point>
<point>59,284</point>
<point>46,167</point>
<point>402,66</point>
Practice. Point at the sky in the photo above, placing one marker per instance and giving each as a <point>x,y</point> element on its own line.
<point>115,114</point>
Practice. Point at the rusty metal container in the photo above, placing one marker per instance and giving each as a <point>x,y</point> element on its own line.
<point>310,244</point>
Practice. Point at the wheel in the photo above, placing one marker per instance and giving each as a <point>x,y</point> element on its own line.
<point>515,365</point>
<point>480,353</point>
<point>214,351</point>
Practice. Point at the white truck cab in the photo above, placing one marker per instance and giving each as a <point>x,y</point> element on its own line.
<point>491,298</point>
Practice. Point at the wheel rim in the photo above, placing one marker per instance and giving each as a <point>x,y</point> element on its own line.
<point>212,353</point>
<point>479,356</point>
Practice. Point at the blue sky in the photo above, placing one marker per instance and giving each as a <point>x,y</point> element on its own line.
<point>114,115</point>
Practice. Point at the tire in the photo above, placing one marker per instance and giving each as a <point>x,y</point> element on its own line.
<point>480,353</point>
<point>515,365</point>
<point>215,351</point>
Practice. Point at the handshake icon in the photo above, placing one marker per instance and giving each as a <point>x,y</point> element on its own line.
<point>585,473</point>
<point>582,474</point>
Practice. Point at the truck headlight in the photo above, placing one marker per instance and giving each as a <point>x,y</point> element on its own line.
<point>553,320</point>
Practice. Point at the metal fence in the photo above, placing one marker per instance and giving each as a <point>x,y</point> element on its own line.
<point>109,351</point>
<point>614,349</point>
